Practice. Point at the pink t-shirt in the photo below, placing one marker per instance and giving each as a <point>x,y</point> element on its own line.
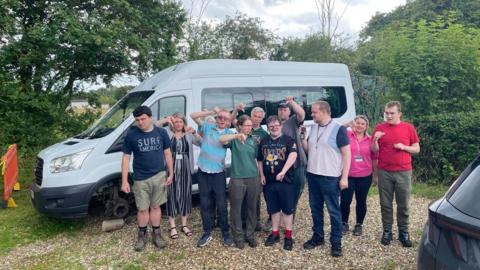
<point>362,156</point>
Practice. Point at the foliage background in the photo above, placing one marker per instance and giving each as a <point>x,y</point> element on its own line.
<point>425,54</point>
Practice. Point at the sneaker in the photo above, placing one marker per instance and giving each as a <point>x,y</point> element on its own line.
<point>240,244</point>
<point>141,241</point>
<point>258,227</point>
<point>204,240</point>
<point>157,239</point>
<point>251,242</point>
<point>314,242</point>
<point>227,240</point>
<point>404,238</point>
<point>386,238</point>
<point>358,229</point>
<point>271,240</point>
<point>344,228</point>
<point>288,244</point>
<point>336,251</point>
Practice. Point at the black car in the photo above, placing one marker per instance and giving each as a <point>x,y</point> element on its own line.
<point>451,238</point>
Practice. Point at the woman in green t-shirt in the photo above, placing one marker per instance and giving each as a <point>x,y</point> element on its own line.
<point>244,182</point>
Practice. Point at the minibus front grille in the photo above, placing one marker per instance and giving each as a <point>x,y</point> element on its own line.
<point>39,171</point>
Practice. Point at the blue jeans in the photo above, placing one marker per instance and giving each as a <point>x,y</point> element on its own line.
<point>325,189</point>
<point>213,186</point>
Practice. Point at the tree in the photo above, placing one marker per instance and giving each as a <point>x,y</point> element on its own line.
<point>238,37</point>
<point>430,66</point>
<point>467,12</point>
<point>48,47</point>
<point>313,48</point>
<point>54,44</point>
<point>329,20</point>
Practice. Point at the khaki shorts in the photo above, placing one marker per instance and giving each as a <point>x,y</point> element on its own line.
<point>151,192</point>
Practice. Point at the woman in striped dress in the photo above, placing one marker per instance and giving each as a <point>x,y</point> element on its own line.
<point>179,193</point>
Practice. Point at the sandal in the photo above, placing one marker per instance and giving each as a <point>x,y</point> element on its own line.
<point>175,235</point>
<point>186,231</point>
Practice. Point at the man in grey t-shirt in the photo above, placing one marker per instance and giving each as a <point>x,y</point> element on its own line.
<point>291,128</point>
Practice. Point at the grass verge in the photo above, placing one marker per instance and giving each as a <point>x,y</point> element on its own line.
<point>420,189</point>
<point>23,224</point>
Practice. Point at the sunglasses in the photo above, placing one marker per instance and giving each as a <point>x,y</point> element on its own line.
<point>219,117</point>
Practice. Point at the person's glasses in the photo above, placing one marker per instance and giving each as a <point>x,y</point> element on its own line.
<point>274,126</point>
<point>219,117</point>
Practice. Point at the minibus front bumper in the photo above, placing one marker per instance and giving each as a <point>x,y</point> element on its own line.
<point>62,202</point>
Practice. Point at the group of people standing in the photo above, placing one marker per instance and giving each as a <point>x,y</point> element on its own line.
<point>337,160</point>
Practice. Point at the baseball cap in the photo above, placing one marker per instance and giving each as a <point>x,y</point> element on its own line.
<point>284,104</point>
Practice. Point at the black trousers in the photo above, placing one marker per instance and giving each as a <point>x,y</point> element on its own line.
<point>359,186</point>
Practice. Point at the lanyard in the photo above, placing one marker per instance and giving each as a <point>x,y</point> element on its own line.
<point>323,131</point>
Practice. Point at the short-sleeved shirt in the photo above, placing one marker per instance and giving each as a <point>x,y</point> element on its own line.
<point>324,144</point>
<point>258,134</point>
<point>147,149</point>
<point>212,152</point>
<point>291,129</point>
<point>273,153</point>
<point>362,155</point>
<point>390,158</point>
<point>244,154</point>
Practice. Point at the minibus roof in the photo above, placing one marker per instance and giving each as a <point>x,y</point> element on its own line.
<point>228,68</point>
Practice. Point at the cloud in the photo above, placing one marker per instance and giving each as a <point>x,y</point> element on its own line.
<point>298,17</point>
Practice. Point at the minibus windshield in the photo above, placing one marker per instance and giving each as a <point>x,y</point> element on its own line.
<point>116,115</point>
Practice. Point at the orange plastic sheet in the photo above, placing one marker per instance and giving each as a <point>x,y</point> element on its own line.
<point>9,171</point>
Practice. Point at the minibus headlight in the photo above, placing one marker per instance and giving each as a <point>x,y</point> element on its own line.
<point>69,162</point>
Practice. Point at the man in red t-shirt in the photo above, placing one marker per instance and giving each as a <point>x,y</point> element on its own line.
<point>395,141</point>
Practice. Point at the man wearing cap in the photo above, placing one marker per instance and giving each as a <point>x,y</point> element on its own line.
<point>150,146</point>
<point>291,127</point>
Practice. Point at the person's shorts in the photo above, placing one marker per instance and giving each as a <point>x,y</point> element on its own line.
<point>151,192</point>
<point>279,197</point>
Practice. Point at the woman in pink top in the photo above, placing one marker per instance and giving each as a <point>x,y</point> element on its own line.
<point>362,172</point>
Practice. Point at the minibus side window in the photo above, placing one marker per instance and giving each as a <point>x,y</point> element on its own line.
<point>170,105</point>
<point>245,98</point>
<point>306,96</point>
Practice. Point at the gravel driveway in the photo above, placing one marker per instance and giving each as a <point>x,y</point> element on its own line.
<point>93,249</point>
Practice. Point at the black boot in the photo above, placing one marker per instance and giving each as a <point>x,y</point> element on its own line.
<point>404,238</point>
<point>386,238</point>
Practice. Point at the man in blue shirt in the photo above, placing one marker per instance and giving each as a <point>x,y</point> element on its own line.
<point>211,173</point>
<point>150,146</point>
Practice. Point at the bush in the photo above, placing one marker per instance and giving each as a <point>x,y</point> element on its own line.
<point>448,142</point>
<point>36,120</point>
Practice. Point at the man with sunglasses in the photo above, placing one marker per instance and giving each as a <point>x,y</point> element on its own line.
<point>211,173</point>
<point>276,155</point>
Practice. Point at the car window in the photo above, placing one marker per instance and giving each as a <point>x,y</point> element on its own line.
<point>466,195</point>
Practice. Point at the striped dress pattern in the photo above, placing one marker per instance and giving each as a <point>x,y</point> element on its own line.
<point>180,191</point>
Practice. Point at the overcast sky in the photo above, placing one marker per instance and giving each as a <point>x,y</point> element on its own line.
<point>296,17</point>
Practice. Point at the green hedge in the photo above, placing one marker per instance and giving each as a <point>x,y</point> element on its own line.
<point>448,142</point>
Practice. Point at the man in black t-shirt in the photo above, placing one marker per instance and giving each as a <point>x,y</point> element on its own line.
<point>150,146</point>
<point>276,155</point>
